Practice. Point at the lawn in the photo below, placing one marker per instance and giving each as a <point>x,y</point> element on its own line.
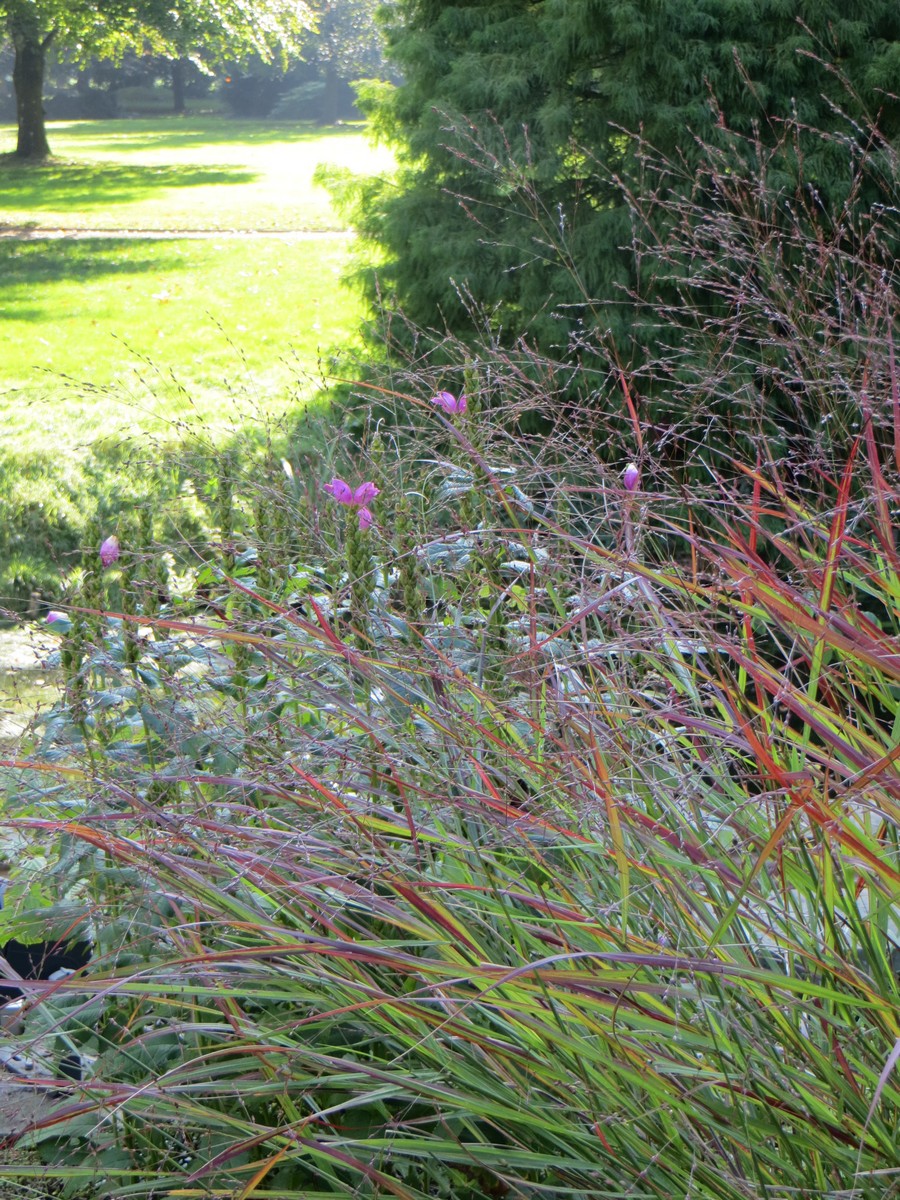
<point>111,338</point>
<point>203,173</point>
<point>217,317</point>
<point>219,313</point>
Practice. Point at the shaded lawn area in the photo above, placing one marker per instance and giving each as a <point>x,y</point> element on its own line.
<point>58,191</point>
<point>198,173</point>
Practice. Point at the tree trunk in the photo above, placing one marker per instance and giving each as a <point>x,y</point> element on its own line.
<point>28,81</point>
<point>328,113</point>
<point>179,79</point>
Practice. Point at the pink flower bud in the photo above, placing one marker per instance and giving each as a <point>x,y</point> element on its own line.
<point>109,551</point>
<point>365,518</point>
<point>631,477</point>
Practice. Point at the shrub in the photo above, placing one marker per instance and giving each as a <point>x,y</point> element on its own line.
<point>726,265</point>
<point>308,102</point>
<point>301,103</point>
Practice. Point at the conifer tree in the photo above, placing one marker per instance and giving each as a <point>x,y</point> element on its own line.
<point>517,119</point>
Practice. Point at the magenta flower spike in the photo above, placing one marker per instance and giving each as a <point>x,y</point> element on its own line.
<point>449,403</point>
<point>109,550</point>
<point>631,477</point>
<point>360,497</point>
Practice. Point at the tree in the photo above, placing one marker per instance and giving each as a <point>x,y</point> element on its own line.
<point>347,45</point>
<point>209,32</point>
<point>107,27</point>
<point>518,120</point>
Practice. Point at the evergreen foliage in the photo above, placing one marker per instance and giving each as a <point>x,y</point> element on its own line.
<point>520,126</point>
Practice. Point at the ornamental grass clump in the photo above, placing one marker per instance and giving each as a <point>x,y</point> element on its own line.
<point>606,907</point>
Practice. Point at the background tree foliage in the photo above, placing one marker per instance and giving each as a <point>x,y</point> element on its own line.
<point>518,123</point>
<point>217,28</point>
<point>347,44</point>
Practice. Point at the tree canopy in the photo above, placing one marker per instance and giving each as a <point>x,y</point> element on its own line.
<point>224,28</point>
<point>517,122</point>
<point>84,27</point>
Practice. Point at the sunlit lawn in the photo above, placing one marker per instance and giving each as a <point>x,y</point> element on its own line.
<point>217,317</point>
<point>107,340</point>
<point>196,173</point>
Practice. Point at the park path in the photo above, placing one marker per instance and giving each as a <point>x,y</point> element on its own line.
<point>33,233</point>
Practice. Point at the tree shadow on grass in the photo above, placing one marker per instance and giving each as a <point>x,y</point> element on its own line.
<point>28,268</point>
<point>56,185</point>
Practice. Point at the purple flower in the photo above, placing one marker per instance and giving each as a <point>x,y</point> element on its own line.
<point>631,477</point>
<point>341,491</point>
<point>55,615</point>
<point>344,494</point>
<point>449,403</point>
<point>365,493</point>
<point>109,551</point>
<point>360,497</point>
